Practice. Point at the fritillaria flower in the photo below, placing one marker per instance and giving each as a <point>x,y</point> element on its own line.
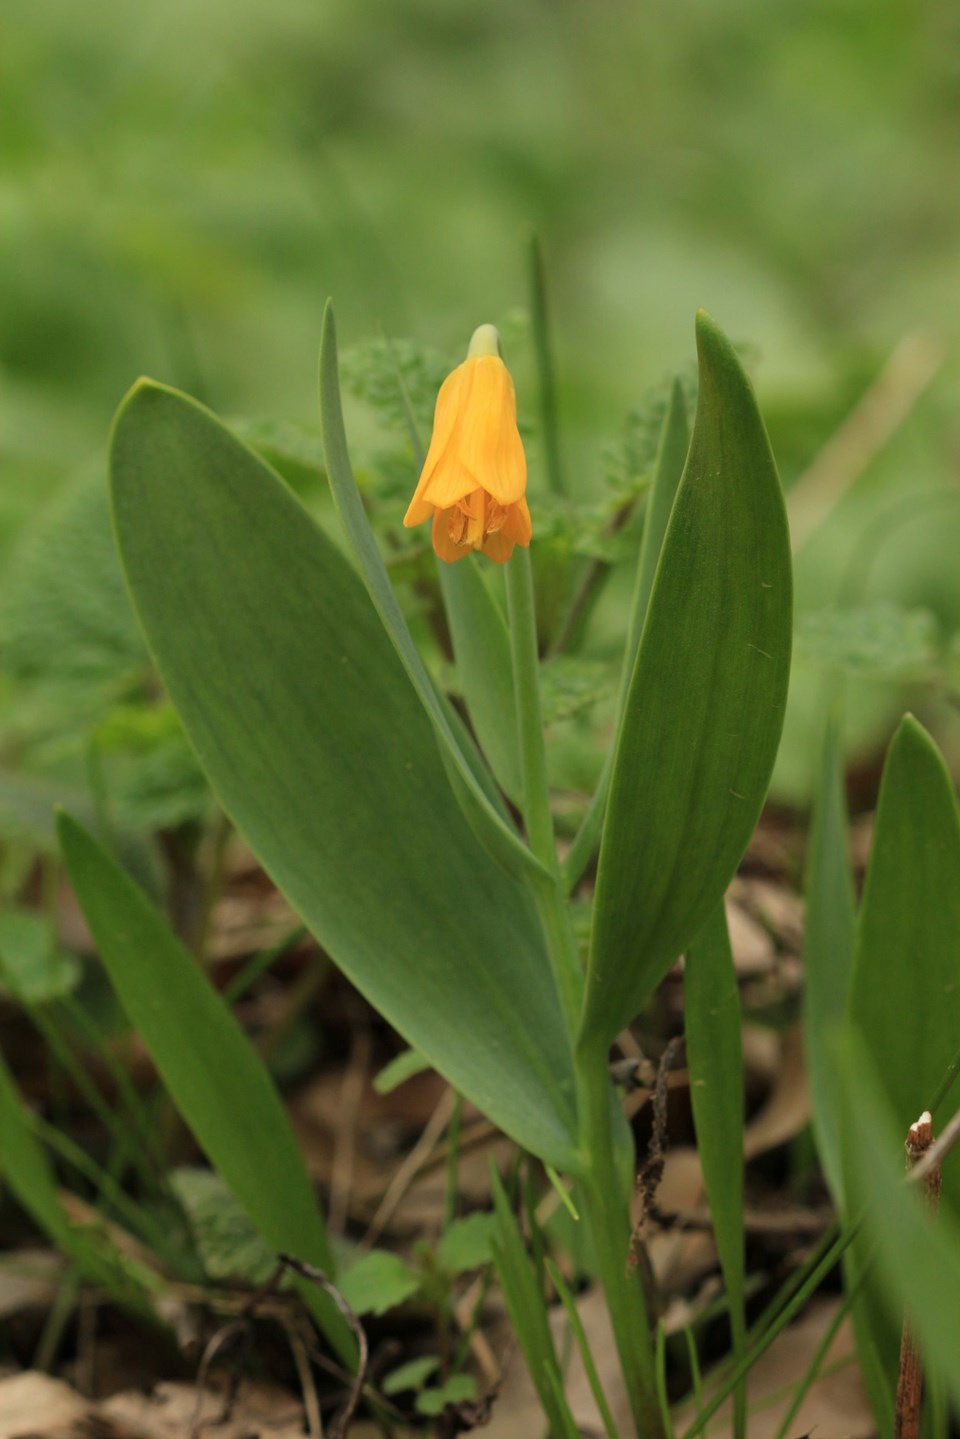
<point>475,474</point>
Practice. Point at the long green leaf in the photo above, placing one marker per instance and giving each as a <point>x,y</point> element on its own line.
<point>672,449</point>
<point>828,946</point>
<point>904,1003</point>
<point>497,835</point>
<point>214,1075</point>
<point>711,1006</point>
<point>916,1256</point>
<point>481,647</point>
<point>668,468</point>
<point>905,986</point>
<point>528,1313</point>
<point>320,751</point>
<point>706,702</point>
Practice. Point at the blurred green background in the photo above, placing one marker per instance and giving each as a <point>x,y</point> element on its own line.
<point>184,183</point>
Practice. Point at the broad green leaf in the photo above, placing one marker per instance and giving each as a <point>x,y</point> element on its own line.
<point>828,946</point>
<point>465,1244</point>
<point>28,808</point>
<point>378,1281</point>
<point>25,1169</point>
<point>905,986</point>
<point>481,647</point>
<point>224,1237</point>
<point>668,465</point>
<point>214,1075</point>
<point>31,965</point>
<point>64,616</point>
<point>711,1004</point>
<point>915,1257</point>
<point>319,750</point>
<point>883,641</point>
<point>706,702</point>
<point>457,1389</point>
<point>412,1375</point>
<point>496,833</point>
<point>570,685</point>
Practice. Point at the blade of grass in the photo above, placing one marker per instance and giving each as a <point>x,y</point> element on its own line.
<point>583,1344</point>
<point>29,1176</point>
<point>763,1334</point>
<point>528,1312</point>
<point>715,1059</point>
<point>916,1254</point>
<point>828,944</point>
<point>543,349</point>
<point>820,1353</point>
<point>214,1076</point>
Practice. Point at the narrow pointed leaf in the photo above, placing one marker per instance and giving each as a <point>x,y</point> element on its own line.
<point>497,835</point>
<point>672,450</point>
<point>213,1074</point>
<point>828,947</point>
<point>711,1003</point>
<point>706,702</point>
<point>528,1312</point>
<point>904,1001</point>
<point>27,1172</point>
<point>914,1256</point>
<point>905,987</point>
<point>668,468</point>
<point>481,647</point>
<point>320,751</point>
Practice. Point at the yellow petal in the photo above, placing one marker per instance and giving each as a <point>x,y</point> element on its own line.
<point>498,547</point>
<point>517,526</point>
<point>488,441</point>
<point>442,444</point>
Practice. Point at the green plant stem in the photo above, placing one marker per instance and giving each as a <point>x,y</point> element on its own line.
<point>606,1202</point>
<point>540,324</point>
<point>526,674</point>
<point>537,817</point>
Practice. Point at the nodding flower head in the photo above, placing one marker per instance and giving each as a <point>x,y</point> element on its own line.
<point>474,478</point>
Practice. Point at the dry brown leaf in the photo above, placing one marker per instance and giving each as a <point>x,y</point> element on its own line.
<point>260,1411</point>
<point>34,1404</point>
<point>517,1413</point>
<point>775,906</point>
<point>752,947</point>
<point>29,1279</point>
<point>787,1110</point>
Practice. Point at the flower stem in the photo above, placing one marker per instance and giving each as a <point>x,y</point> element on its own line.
<point>554,915</point>
<point>605,1181</point>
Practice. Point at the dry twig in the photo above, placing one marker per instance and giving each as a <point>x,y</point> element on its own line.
<point>910,1377</point>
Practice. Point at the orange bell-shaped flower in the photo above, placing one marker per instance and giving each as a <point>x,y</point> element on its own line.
<point>475,475</point>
